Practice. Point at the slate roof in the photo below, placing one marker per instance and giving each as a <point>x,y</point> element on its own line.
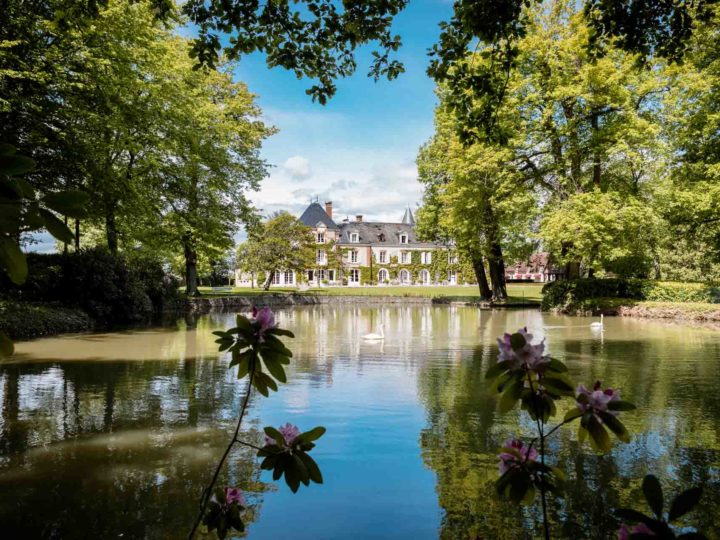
<point>315,214</point>
<point>408,217</point>
<point>381,234</point>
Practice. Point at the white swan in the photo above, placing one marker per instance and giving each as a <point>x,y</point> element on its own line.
<point>598,324</point>
<point>376,337</point>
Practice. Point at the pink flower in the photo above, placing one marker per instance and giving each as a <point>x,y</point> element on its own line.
<point>625,531</point>
<point>234,495</point>
<point>597,399</point>
<point>509,459</point>
<point>289,433</point>
<point>265,318</point>
<point>528,356</point>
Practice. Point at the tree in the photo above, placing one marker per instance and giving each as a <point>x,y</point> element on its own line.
<point>283,243</point>
<point>474,197</point>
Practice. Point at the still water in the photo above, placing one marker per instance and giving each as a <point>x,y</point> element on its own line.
<point>114,435</point>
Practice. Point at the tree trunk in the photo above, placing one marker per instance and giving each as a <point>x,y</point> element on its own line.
<point>596,152</point>
<point>111,229</point>
<point>497,272</point>
<point>77,235</point>
<point>479,268</point>
<point>268,281</point>
<point>572,270</point>
<point>191,277</point>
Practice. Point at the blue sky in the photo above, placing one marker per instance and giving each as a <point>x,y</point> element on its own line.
<point>358,150</point>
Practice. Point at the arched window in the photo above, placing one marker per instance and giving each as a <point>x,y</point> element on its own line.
<point>404,277</point>
<point>383,275</point>
<point>424,277</point>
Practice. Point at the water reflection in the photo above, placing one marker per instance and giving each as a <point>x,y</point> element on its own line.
<point>122,429</point>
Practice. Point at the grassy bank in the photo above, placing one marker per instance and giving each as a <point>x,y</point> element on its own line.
<point>517,293</point>
<point>25,320</point>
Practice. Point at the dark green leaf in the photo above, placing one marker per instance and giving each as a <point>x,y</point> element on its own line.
<point>281,332</point>
<point>312,468</point>
<point>599,438</point>
<point>71,203</point>
<point>312,435</point>
<point>557,366</point>
<point>632,516</point>
<point>13,260</point>
<point>684,503</point>
<point>572,414</point>
<point>616,426</point>
<point>510,396</point>
<point>497,368</point>
<point>558,385</point>
<point>653,494</point>
<point>56,227</point>
<point>14,164</point>
<point>621,406</point>
<point>517,341</point>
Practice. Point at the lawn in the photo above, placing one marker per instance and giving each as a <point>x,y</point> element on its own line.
<point>517,292</point>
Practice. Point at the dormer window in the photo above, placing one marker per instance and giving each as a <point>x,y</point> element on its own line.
<point>404,238</point>
<point>320,238</point>
<point>381,237</point>
<point>354,238</point>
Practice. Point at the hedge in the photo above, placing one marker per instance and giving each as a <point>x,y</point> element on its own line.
<point>563,294</point>
<point>22,320</point>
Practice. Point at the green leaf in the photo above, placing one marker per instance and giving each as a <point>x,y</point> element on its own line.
<point>572,414</point>
<point>557,366</point>
<point>653,494</point>
<point>312,435</point>
<point>312,467</point>
<point>510,396</point>
<point>281,332</point>
<point>71,202</point>
<point>12,259</point>
<point>684,503</point>
<point>274,434</point>
<point>56,227</point>
<point>6,345</point>
<point>632,516</point>
<point>558,385</point>
<point>14,164</point>
<point>599,438</point>
<point>243,324</point>
<point>616,426</point>
<point>517,341</point>
<point>497,368</point>
<point>621,406</point>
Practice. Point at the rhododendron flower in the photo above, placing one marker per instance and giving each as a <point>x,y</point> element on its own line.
<point>508,460</point>
<point>234,495</point>
<point>529,356</point>
<point>289,433</point>
<point>625,531</point>
<point>597,399</point>
<point>266,318</point>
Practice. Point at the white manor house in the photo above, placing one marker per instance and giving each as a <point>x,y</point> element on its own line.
<point>359,252</point>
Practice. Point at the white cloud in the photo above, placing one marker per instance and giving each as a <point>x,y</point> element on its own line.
<point>298,168</point>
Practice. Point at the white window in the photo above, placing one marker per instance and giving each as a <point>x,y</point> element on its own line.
<point>320,257</point>
<point>320,238</point>
<point>383,256</point>
<point>426,257</point>
<point>383,276</point>
<point>354,256</point>
<point>452,258</point>
<point>403,238</point>
<point>424,277</point>
<point>354,275</point>
<point>452,277</point>
<point>276,278</point>
<point>354,238</point>
<point>404,257</point>
<point>404,276</point>
<point>321,275</point>
<point>289,277</point>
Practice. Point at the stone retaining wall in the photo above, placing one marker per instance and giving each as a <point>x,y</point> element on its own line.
<point>230,303</point>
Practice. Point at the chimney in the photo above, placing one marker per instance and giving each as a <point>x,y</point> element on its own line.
<point>358,218</point>
<point>328,208</point>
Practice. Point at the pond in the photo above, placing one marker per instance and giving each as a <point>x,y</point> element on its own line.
<point>114,435</point>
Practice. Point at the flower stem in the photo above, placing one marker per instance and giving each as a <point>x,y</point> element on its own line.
<point>541,436</point>
<point>207,492</point>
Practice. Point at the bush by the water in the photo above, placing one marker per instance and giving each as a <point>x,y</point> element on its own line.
<point>567,294</point>
<point>25,320</point>
<point>111,289</point>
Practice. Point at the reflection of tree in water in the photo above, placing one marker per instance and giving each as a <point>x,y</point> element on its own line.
<point>675,436</point>
<point>104,448</point>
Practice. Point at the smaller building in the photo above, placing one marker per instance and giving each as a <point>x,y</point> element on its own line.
<point>538,268</point>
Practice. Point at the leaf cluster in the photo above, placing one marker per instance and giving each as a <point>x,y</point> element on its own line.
<point>520,482</point>
<point>659,524</point>
<point>260,354</point>
<point>223,517</point>
<point>292,461</point>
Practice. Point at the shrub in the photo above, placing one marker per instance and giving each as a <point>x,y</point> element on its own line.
<point>23,320</point>
<point>111,289</point>
<point>566,294</point>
